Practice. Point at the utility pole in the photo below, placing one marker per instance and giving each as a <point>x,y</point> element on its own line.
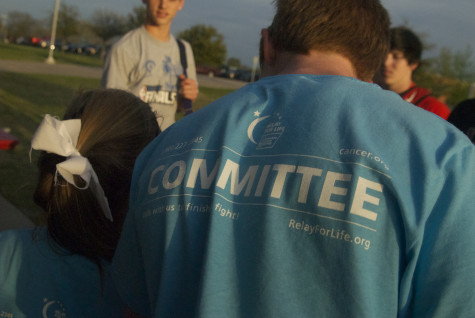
<point>50,59</point>
<point>254,68</point>
<point>4,33</point>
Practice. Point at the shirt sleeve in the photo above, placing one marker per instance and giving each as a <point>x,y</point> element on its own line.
<point>115,74</point>
<point>128,271</point>
<point>444,280</point>
<point>435,106</point>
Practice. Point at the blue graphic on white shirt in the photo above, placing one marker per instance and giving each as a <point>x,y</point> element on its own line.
<point>171,72</point>
<point>166,90</point>
<point>149,66</point>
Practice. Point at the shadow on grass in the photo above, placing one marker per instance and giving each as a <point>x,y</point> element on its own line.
<point>36,54</point>
<point>24,99</point>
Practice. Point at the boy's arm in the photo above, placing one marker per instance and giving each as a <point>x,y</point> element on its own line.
<point>115,74</point>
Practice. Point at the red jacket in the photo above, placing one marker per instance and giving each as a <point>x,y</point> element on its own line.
<point>421,97</point>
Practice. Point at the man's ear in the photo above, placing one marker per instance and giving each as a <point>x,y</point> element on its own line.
<point>414,66</point>
<point>268,54</point>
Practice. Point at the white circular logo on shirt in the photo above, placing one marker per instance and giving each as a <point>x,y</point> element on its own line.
<point>273,126</point>
<point>53,309</point>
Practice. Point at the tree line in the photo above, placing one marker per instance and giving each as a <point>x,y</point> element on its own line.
<point>105,25</point>
<point>448,74</point>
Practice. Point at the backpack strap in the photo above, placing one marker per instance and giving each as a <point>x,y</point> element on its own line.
<point>187,107</point>
<point>417,102</point>
<point>183,60</point>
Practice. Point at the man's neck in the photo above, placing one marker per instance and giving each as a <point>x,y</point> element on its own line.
<point>161,33</point>
<point>400,87</point>
<point>314,63</point>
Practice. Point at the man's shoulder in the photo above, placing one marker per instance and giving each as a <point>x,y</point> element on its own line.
<point>185,42</point>
<point>435,106</point>
<point>16,245</point>
<point>414,94</point>
<point>423,98</point>
<point>267,94</point>
<point>15,236</point>
<point>420,90</point>
<point>129,38</point>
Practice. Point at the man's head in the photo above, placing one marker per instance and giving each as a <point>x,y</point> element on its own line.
<point>403,59</point>
<point>356,29</point>
<point>162,12</point>
<point>407,42</point>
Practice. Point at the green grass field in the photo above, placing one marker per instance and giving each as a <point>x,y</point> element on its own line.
<point>25,98</point>
<point>36,54</point>
<point>23,101</point>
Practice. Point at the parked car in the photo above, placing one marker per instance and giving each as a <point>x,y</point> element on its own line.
<point>246,75</point>
<point>92,49</point>
<point>228,71</point>
<point>83,48</point>
<point>208,70</point>
<point>23,40</point>
<point>74,48</point>
<point>41,42</point>
<point>45,42</point>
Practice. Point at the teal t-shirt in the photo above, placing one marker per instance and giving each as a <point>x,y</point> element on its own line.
<point>302,196</point>
<point>37,280</point>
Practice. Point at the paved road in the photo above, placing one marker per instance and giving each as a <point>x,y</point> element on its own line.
<point>96,72</point>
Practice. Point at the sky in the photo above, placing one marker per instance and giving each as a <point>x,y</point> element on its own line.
<point>444,23</point>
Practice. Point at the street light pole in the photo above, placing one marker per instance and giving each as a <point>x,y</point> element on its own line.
<point>254,68</point>
<point>50,59</point>
<point>4,18</point>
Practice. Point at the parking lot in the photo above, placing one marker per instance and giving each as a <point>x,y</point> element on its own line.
<point>96,72</point>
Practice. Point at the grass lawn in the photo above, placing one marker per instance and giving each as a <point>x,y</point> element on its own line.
<point>24,99</point>
<point>36,54</point>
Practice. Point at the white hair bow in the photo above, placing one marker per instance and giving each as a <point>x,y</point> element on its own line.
<point>61,137</point>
